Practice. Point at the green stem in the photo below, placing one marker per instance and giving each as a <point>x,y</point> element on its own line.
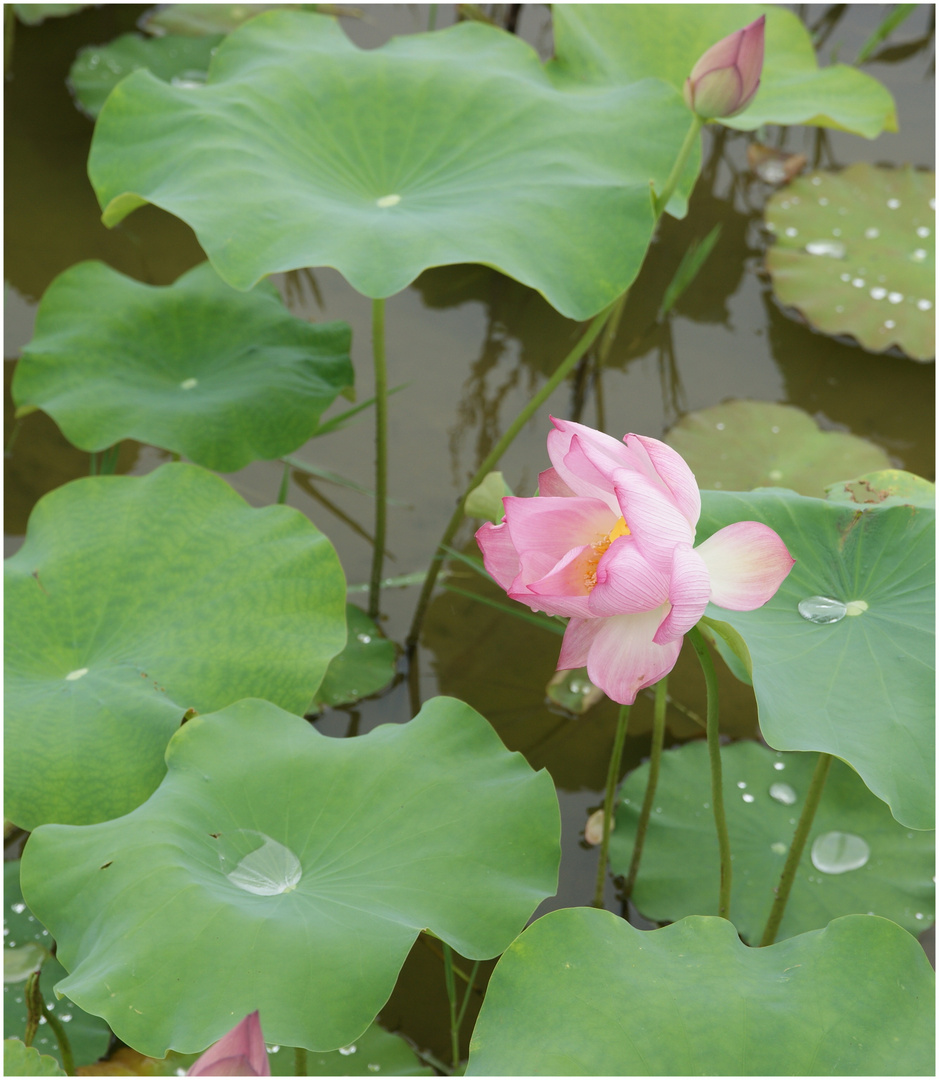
<point>451,997</point>
<point>36,1008</point>
<point>284,486</point>
<point>381,453</point>
<point>299,1059</point>
<point>717,781</point>
<point>661,201</point>
<point>14,431</point>
<point>612,776</point>
<point>803,826</point>
<point>561,372</point>
<point>466,996</point>
<point>655,760</point>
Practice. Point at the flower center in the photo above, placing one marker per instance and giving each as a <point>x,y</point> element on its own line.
<point>600,549</point>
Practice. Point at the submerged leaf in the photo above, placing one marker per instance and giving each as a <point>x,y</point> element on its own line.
<point>854,252</point>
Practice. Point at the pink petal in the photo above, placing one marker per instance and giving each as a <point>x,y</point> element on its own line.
<point>652,517</point>
<point>586,474</point>
<point>623,658</point>
<point>578,637</point>
<point>747,563</point>
<point>672,469</point>
<point>565,590</point>
<point>549,483</point>
<point>239,1053</point>
<point>626,582</point>
<point>544,530</point>
<point>499,555</point>
<point>688,594</point>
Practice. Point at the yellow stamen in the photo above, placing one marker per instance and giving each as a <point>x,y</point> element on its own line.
<point>600,549</point>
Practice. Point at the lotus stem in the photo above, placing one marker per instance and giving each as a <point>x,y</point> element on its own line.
<point>36,1008</point>
<point>717,780</point>
<point>381,454</point>
<point>803,825</point>
<point>612,776</point>
<point>299,1060</point>
<point>661,201</point>
<point>655,760</point>
<point>451,998</point>
<point>561,372</point>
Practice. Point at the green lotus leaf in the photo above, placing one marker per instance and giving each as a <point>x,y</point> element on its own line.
<point>885,869</point>
<point>452,147</point>
<point>22,1060</point>
<point>281,870</point>
<point>88,1035</point>
<point>608,44</point>
<point>740,445</point>
<point>221,376</point>
<point>583,993</point>
<point>135,599</point>
<point>886,487</point>
<point>97,69</point>
<point>365,666</point>
<point>853,677</point>
<point>854,253</point>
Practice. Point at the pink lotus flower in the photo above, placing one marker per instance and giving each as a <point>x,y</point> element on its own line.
<point>722,83</point>
<point>609,542</point>
<point>239,1053</point>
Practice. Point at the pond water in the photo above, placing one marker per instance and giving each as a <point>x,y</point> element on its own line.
<point>470,347</point>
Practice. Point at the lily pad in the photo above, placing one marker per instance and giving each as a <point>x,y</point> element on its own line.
<point>764,793</point>
<point>97,69</point>
<point>604,44</point>
<point>365,666</point>
<point>88,1035</point>
<point>583,993</point>
<point>196,367</point>
<point>851,672</point>
<point>741,445</point>
<point>22,1060</point>
<point>135,599</point>
<point>452,147</point>
<point>887,487</point>
<point>270,847</point>
<point>854,253</point>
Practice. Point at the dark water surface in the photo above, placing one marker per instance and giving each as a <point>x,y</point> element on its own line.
<point>472,347</point>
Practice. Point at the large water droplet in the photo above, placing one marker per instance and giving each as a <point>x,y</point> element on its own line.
<point>833,248</point>
<point>839,852</point>
<point>259,865</point>
<point>782,793</point>
<point>822,609</point>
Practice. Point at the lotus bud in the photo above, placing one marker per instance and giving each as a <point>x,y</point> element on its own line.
<point>722,83</point>
<point>239,1053</point>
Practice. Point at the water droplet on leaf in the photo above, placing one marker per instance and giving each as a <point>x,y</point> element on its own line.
<point>782,793</point>
<point>257,864</point>
<point>822,609</point>
<point>838,852</point>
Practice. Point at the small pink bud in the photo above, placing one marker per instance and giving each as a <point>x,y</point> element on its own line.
<point>239,1053</point>
<point>722,83</point>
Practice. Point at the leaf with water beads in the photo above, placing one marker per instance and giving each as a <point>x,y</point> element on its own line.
<point>741,445</point>
<point>269,847</point>
<point>854,252</point>
<point>365,666</point>
<point>856,683</point>
<point>135,599</point>
<point>858,859</point>
<point>583,993</point>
